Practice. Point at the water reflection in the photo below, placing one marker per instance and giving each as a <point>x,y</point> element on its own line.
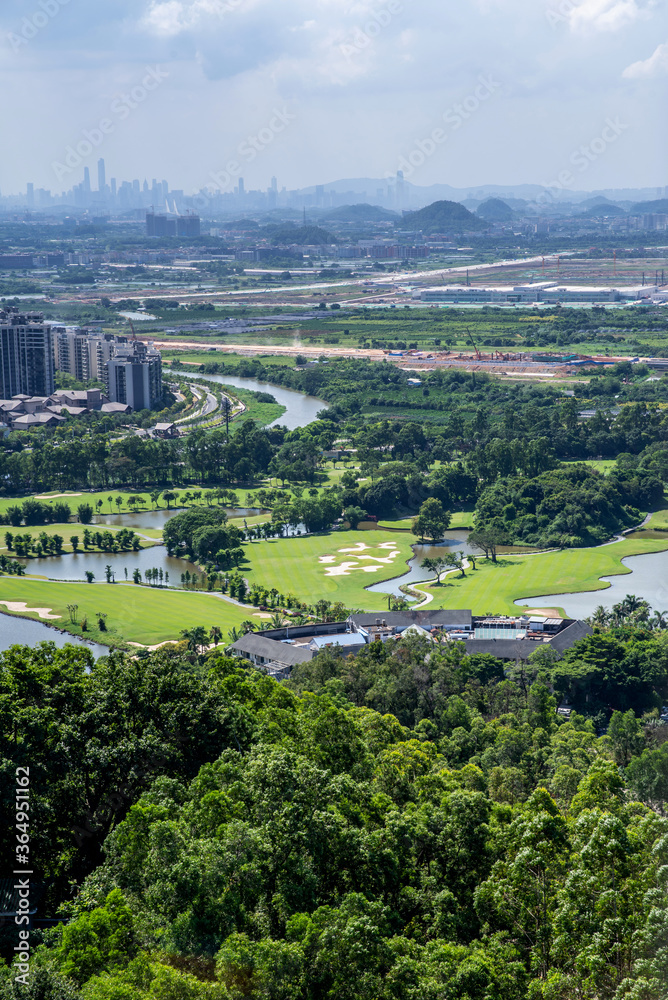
<point>74,567</point>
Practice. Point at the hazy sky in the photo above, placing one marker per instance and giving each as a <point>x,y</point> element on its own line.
<point>465,93</point>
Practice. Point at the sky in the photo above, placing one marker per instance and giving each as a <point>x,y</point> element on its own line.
<point>554,92</point>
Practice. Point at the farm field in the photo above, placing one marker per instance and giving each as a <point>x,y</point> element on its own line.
<point>135,614</point>
<point>496,587</point>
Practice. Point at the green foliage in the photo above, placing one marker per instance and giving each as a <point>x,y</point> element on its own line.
<point>414,823</point>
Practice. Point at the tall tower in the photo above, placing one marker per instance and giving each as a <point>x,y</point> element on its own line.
<point>101,175</point>
<point>86,180</point>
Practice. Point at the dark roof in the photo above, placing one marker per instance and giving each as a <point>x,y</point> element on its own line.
<point>281,652</point>
<point>503,649</point>
<point>568,636</point>
<point>402,619</point>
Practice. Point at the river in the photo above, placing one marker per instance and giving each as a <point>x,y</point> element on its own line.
<point>300,409</point>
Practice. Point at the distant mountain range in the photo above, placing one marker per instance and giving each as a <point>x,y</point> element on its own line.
<point>366,189</point>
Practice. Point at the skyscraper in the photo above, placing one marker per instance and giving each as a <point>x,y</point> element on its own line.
<point>26,355</point>
<point>101,175</point>
<point>86,180</point>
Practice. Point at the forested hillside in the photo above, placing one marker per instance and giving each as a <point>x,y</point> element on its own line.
<point>414,824</point>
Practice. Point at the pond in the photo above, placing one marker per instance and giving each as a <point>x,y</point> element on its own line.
<point>648,580</point>
<point>157,519</point>
<point>74,567</point>
<point>26,632</point>
<point>300,409</point>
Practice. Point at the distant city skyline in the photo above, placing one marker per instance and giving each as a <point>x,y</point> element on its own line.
<point>496,91</point>
<point>396,194</point>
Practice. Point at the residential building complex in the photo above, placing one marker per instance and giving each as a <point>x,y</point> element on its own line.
<point>27,364</point>
<point>131,371</point>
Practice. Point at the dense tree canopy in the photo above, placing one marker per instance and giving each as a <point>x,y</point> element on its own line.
<point>415,821</point>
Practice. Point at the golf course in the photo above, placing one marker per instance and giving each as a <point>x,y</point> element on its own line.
<point>143,615</point>
<point>496,586</point>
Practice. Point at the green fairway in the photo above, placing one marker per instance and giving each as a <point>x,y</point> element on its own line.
<point>314,567</point>
<point>496,587</point>
<point>135,614</point>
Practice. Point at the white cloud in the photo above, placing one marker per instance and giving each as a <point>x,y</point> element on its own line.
<point>656,65</point>
<point>604,15</point>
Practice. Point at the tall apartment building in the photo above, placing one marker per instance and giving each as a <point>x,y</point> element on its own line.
<point>27,363</point>
<point>133,375</point>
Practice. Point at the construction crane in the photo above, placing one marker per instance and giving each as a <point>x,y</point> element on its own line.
<point>134,332</point>
<point>477,352</point>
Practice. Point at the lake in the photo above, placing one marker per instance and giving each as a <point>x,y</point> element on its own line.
<point>300,409</point>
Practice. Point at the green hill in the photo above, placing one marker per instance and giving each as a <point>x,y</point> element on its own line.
<point>361,213</point>
<point>494,210</point>
<point>443,217</point>
<point>645,207</point>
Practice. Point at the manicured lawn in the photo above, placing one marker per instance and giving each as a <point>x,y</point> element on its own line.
<point>496,587</point>
<point>292,565</point>
<point>135,614</point>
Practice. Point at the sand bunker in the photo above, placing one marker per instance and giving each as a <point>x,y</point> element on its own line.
<point>55,496</point>
<point>22,608</point>
<point>359,551</point>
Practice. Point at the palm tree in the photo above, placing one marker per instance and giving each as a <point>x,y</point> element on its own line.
<point>169,495</point>
<point>277,620</point>
<point>110,501</point>
<point>659,620</point>
<point>215,635</point>
<point>119,503</point>
<point>154,499</point>
<point>600,617</point>
<point>248,626</point>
